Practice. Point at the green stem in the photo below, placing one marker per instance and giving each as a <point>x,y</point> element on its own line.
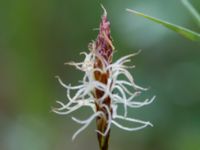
<point>103,140</point>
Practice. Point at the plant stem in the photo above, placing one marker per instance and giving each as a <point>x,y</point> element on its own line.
<point>103,140</point>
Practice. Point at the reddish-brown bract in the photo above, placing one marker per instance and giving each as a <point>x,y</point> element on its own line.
<point>104,49</point>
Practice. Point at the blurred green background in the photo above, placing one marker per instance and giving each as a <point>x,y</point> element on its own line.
<point>37,37</point>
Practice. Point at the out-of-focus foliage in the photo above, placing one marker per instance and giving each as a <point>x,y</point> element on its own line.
<point>192,10</point>
<point>38,37</point>
<point>187,33</point>
<point>191,35</point>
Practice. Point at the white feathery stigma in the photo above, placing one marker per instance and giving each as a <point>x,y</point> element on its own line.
<point>121,92</point>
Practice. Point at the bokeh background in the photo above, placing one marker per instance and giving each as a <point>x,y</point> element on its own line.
<point>38,36</point>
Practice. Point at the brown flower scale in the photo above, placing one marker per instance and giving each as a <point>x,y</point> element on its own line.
<point>104,48</point>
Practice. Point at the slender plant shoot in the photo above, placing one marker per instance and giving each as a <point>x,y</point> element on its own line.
<point>187,33</point>
<point>192,10</point>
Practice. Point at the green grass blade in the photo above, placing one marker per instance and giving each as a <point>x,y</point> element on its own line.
<point>192,10</point>
<point>181,30</point>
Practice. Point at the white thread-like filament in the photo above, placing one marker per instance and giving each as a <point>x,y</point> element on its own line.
<point>121,92</point>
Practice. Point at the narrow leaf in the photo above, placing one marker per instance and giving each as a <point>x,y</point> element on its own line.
<point>181,30</point>
<point>192,10</point>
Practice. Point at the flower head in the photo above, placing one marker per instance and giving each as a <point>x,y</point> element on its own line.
<point>102,90</point>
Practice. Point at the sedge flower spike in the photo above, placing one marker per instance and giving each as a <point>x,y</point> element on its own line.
<point>102,90</point>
